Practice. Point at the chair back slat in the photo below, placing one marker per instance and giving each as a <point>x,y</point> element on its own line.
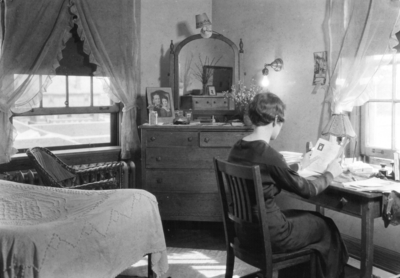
<point>242,207</point>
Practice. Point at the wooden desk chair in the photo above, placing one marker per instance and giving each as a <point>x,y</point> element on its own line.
<point>240,189</point>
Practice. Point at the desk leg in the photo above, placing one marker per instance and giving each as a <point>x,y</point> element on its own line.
<point>367,241</point>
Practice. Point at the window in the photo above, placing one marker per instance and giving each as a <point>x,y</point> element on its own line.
<point>381,114</point>
<point>75,111</point>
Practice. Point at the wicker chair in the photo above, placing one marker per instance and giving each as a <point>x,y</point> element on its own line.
<point>55,173</point>
<point>240,189</point>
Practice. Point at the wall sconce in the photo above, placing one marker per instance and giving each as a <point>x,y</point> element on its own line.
<point>276,65</point>
<point>204,23</point>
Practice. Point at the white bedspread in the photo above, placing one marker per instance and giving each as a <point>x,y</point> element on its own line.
<point>51,232</point>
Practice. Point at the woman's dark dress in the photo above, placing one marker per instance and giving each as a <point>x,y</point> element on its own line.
<point>292,229</point>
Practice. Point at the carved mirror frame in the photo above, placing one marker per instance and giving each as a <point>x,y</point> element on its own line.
<point>174,61</point>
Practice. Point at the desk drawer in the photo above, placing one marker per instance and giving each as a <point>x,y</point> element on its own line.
<point>189,207</point>
<point>171,139</point>
<point>343,202</point>
<point>220,139</point>
<point>195,181</point>
<point>195,158</point>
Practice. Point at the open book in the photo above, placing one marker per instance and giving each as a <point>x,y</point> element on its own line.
<point>323,153</point>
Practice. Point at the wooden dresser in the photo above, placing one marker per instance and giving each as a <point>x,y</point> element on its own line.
<point>177,168</point>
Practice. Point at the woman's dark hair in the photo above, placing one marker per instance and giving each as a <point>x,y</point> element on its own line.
<point>265,107</point>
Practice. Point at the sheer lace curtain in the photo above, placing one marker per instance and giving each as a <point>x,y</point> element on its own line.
<point>360,33</point>
<point>34,34</point>
<point>109,31</point>
<point>32,40</point>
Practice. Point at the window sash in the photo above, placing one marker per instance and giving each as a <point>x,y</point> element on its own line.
<point>374,151</point>
<point>113,109</point>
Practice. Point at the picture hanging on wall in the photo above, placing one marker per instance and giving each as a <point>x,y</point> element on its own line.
<point>161,101</point>
<point>320,68</point>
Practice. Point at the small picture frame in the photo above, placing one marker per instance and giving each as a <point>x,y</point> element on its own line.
<point>320,67</point>
<point>211,90</point>
<point>161,101</point>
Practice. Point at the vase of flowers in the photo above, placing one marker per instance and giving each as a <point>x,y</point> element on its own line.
<point>242,96</point>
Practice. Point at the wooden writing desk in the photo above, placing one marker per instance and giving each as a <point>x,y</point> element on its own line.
<point>366,206</point>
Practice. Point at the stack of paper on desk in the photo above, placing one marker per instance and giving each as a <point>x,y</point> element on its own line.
<point>373,185</point>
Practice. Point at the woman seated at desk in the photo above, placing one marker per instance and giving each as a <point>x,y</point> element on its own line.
<point>291,229</point>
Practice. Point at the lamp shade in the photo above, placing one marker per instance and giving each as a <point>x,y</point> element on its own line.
<point>339,125</point>
<point>202,20</point>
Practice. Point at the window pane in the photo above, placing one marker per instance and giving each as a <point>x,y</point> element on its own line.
<point>379,125</point>
<point>397,126</point>
<point>55,95</point>
<point>62,130</point>
<point>79,91</point>
<point>32,87</point>
<point>100,97</point>
<point>381,85</point>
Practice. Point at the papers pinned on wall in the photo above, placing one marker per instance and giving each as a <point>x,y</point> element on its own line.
<point>373,185</point>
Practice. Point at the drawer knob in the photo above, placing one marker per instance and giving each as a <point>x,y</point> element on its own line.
<point>190,139</point>
<point>159,180</point>
<point>208,102</point>
<point>215,102</point>
<point>343,202</point>
<point>153,138</point>
<point>158,158</point>
<point>206,140</point>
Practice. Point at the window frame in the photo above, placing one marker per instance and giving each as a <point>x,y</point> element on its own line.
<point>113,109</point>
<point>377,152</point>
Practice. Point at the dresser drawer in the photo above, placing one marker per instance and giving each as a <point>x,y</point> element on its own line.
<point>200,181</point>
<point>195,158</point>
<point>189,206</point>
<point>202,103</point>
<point>170,139</point>
<point>220,103</point>
<point>220,139</point>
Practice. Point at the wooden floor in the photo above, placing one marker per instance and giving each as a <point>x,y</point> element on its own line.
<point>210,236</point>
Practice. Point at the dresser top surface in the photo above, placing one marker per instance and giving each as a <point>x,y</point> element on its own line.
<point>200,127</point>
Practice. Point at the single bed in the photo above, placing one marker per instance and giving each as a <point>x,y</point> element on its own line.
<point>50,232</point>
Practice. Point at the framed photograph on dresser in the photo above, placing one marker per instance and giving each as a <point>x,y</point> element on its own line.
<point>161,101</point>
<point>211,90</point>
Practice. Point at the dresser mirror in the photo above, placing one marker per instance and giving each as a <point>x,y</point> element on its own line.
<point>197,63</point>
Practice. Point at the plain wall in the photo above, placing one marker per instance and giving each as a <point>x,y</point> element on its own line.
<point>162,22</point>
<point>287,29</point>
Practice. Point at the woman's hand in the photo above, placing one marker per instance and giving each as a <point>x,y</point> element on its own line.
<point>306,160</point>
<point>334,168</point>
